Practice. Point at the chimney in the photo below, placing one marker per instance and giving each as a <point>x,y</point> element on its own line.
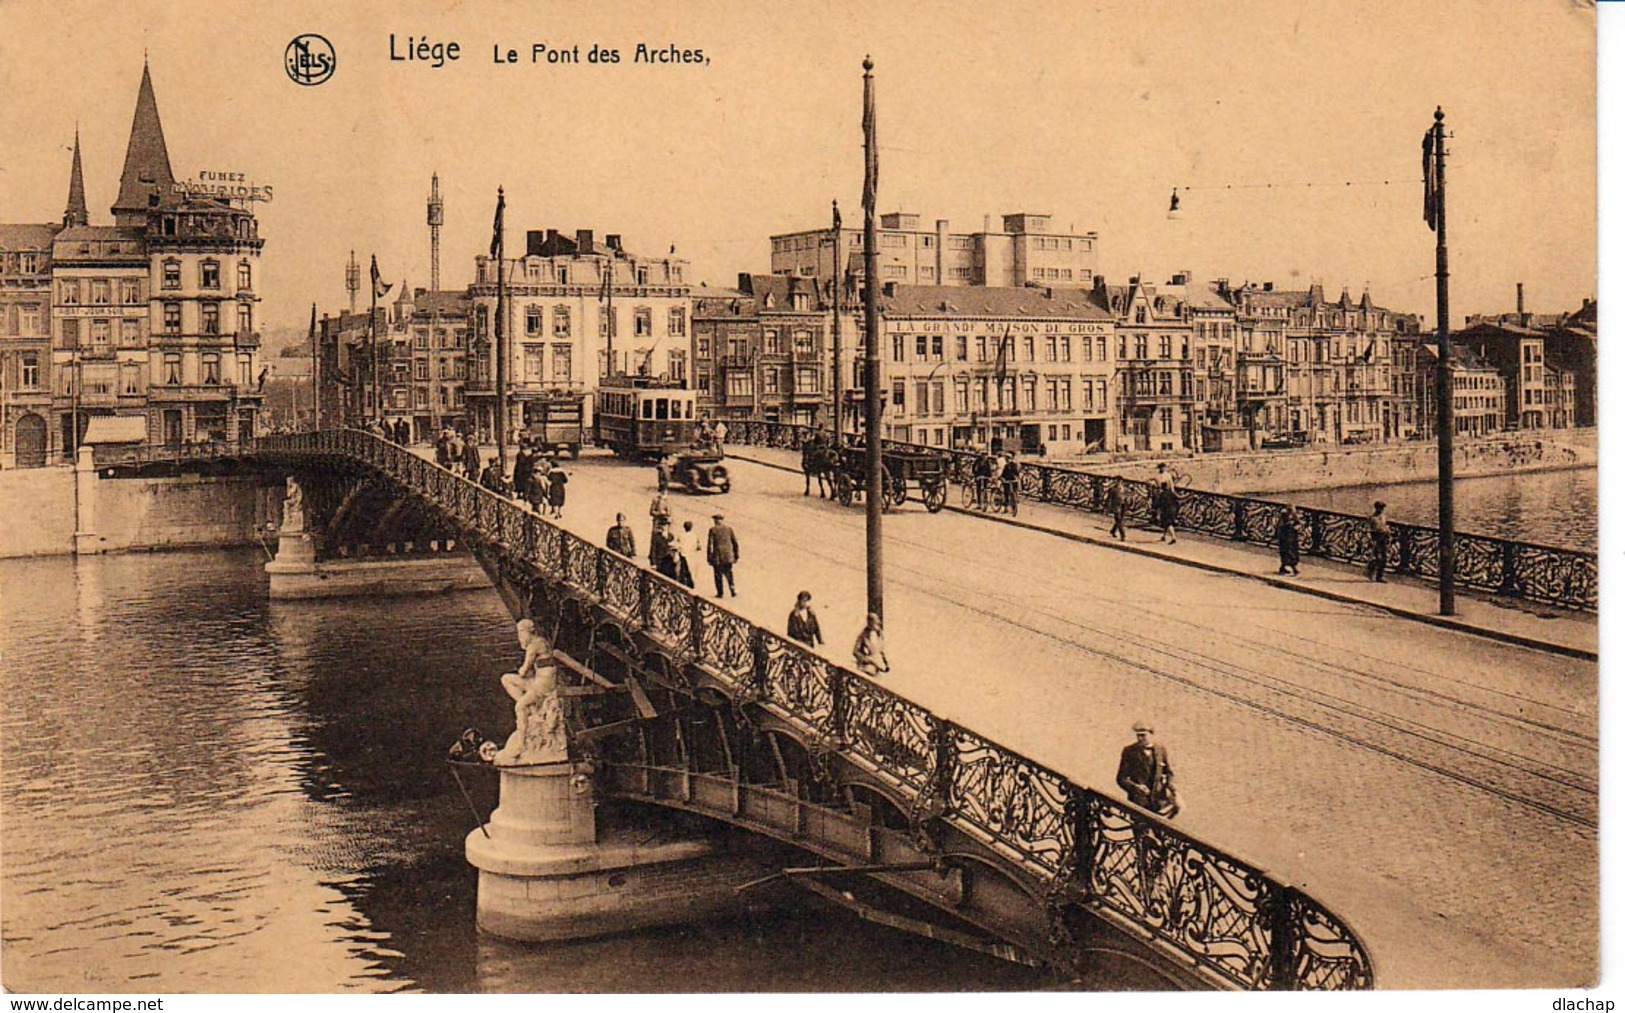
<point>744,281</point>
<point>889,289</point>
<point>1179,278</point>
<point>533,243</point>
<point>1269,286</point>
<point>613,241</point>
<point>1520,302</point>
<point>584,239</point>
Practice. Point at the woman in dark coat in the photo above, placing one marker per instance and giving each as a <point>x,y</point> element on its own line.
<point>1286,541</point>
<point>556,479</point>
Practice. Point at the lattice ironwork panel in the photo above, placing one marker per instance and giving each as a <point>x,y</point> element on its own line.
<point>889,732</point>
<point>725,643</point>
<point>799,682</point>
<point>1018,804</point>
<point>620,593</point>
<point>671,615</point>
<point>1203,902</point>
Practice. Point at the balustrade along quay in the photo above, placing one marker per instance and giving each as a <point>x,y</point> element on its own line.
<point>1081,857</point>
<point>1539,574</point>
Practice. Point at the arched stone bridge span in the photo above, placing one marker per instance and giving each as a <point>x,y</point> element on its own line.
<point>678,702</point>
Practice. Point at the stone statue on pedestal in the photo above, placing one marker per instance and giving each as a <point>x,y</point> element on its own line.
<point>293,508</point>
<point>538,735</point>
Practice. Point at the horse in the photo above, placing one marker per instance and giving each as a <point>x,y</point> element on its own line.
<point>817,461</point>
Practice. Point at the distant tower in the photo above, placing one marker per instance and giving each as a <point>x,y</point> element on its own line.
<point>78,214</point>
<point>352,280</point>
<point>437,218</point>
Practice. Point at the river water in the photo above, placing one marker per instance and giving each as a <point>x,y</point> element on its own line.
<point>205,791</point>
<point>1556,508</point>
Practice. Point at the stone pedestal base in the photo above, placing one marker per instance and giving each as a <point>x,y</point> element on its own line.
<point>546,874</point>
<point>296,574</point>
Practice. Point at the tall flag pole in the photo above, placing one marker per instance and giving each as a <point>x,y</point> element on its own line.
<point>606,294</point>
<point>500,425</point>
<point>874,496</point>
<point>379,288</point>
<point>835,290</point>
<point>1433,213</point>
<point>315,366</point>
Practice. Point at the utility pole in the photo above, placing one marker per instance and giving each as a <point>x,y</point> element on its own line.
<point>500,425</point>
<point>835,287</point>
<point>873,496</point>
<point>315,383</point>
<point>1433,212</point>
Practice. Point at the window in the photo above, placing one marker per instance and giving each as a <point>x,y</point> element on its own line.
<point>561,362</point>
<point>1052,393</point>
<point>770,381</point>
<point>28,319</point>
<point>675,321</point>
<point>1139,314</point>
<point>245,318</point>
<point>1027,349</point>
<point>803,343</point>
<point>642,322</point>
<point>27,263</point>
<point>211,317</point>
<point>101,333</point>
<point>30,369</point>
<point>245,276</point>
<point>172,318</point>
<point>740,385</point>
<point>922,397</point>
<point>420,338</point>
<point>961,396</point>
<point>1165,417</point>
<point>702,348</point>
<point>70,292</point>
<point>100,292</point>
<point>533,321</point>
<point>209,274</point>
<point>561,321</point>
<point>70,333</point>
<point>772,344</point>
<point>606,321</point>
<point>211,367</point>
<point>897,348</point>
<point>936,347</point>
<point>130,382</point>
<point>960,348</point>
<point>1165,346</point>
<point>1029,393</point>
<point>245,369</point>
<point>898,388</point>
<point>533,363</point>
<point>1051,349</point>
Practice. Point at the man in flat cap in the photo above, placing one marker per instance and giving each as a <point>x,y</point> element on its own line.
<point>1144,774</point>
<point>722,552</point>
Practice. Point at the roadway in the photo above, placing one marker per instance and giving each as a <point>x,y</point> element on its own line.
<point>1436,789</point>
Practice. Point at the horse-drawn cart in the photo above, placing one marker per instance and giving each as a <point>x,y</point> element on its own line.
<point>901,470</point>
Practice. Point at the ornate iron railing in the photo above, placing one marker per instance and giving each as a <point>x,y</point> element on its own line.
<point>1537,573</point>
<point>1205,907</point>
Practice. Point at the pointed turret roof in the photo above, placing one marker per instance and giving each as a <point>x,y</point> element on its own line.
<point>77,213</point>
<point>146,162</point>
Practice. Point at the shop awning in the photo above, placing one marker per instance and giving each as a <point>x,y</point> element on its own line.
<point>116,429</point>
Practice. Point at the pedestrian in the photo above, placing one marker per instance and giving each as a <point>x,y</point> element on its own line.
<point>663,554</point>
<point>557,479</point>
<point>722,552</point>
<point>1117,507</point>
<point>524,463</point>
<point>621,539</point>
<point>1144,774</point>
<point>536,491</point>
<point>688,544</point>
<point>442,450</point>
<point>1286,540</point>
<point>803,622</point>
<point>869,651</point>
<point>1380,536</point>
<point>1167,505</point>
<point>471,459</point>
<point>663,472</point>
<point>659,511</point>
<point>491,478</point>
<point>720,434</point>
<point>982,477</point>
<point>995,482</point>
<point>1010,479</point>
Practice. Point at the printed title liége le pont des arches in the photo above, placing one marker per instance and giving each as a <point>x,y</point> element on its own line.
<point>437,53</point>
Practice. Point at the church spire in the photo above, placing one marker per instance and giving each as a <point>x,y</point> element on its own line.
<point>147,176</point>
<point>76,213</point>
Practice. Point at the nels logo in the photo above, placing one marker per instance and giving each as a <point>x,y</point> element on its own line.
<point>309,60</point>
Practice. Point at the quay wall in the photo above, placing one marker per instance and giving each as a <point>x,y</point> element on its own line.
<point>1278,471</point>
<point>43,515</point>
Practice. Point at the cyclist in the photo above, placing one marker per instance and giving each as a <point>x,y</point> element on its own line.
<point>981,478</point>
<point>1010,478</point>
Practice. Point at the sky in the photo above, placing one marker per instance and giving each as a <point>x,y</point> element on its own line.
<point>1091,113</point>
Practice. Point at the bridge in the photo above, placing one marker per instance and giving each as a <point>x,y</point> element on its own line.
<point>675,701</point>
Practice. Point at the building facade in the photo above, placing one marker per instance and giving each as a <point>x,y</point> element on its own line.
<point>1027,369</point>
<point>1026,250</point>
<point>576,309</point>
<point>762,350</point>
<point>1155,376</point>
<point>1479,392</point>
<point>26,372</point>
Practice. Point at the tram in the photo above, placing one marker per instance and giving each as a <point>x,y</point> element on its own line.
<point>644,418</point>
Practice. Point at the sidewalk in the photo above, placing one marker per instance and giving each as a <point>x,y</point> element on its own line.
<point>1543,628</point>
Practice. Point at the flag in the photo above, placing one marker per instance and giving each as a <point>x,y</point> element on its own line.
<point>871,154</point>
<point>835,215</point>
<point>1001,362</point>
<point>1431,201</point>
<point>380,287</point>
<point>496,225</point>
<point>1369,350</point>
